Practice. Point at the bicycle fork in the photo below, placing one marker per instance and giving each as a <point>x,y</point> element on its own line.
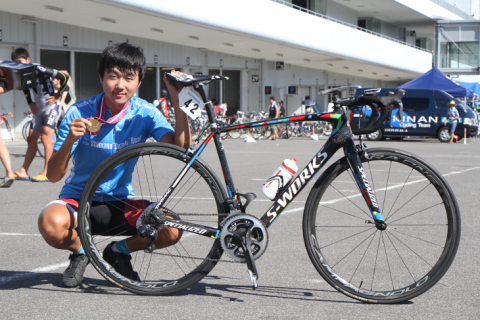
<point>353,159</point>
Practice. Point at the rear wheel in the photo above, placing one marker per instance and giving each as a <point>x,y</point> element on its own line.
<point>197,198</point>
<point>375,136</point>
<point>402,261</point>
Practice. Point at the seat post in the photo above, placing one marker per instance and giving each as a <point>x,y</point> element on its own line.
<point>208,105</point>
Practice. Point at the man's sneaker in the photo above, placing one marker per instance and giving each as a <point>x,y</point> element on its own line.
<point>120,262</point>
<point>73,275</point>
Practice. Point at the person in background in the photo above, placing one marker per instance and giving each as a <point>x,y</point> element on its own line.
<point>223,110</point>
<point>68,95</point>
<point>273,112</point>
<point>7,181</point>
<point>45,110</point>
<point>164,103</point>
<point>282,112</point>
<point>453,116</point>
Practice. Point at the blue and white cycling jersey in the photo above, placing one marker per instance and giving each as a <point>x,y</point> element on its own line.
<point>142,120</point>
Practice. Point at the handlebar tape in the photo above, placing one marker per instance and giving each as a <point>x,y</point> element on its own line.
<point>379,105</point>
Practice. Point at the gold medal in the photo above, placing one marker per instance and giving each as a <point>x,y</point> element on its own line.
<point>95,127</point>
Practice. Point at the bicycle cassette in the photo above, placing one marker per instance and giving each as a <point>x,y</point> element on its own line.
<point>238,226</point>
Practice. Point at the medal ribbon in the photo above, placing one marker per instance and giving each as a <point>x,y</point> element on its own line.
<point>116,117</point>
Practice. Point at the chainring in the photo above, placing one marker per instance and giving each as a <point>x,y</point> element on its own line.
<point>239,224</point>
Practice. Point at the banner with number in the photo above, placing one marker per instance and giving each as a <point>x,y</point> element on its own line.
<point>190,102</point>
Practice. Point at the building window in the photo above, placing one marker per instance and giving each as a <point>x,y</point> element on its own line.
<point>87,82</point>
<point>148,88</point>
<point>55,59</point>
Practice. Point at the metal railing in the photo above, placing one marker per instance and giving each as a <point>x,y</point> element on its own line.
<point>348,24</point>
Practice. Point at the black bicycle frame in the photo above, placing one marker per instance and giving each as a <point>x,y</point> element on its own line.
<point>341,137</point>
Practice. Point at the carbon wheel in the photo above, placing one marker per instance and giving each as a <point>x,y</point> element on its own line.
<point>393,265</point>
<point>197,198</point>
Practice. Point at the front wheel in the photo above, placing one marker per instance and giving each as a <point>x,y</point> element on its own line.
<point>147,172</point>
<point>402,261</point>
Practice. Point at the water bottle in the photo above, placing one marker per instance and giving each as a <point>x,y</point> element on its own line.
<point>280,178</point>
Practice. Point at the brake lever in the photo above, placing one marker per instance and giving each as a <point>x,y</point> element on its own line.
<point>399,114</point>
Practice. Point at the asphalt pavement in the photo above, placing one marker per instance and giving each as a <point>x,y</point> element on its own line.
<point>289,286</point>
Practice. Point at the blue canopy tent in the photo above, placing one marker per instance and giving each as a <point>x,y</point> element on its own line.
<point>475,86</point>
<point>436,79</point>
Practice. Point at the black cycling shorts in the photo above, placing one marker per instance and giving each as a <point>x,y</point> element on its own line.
<point>111,218</point>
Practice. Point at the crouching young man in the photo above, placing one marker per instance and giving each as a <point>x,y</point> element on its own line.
<point>122,117</point>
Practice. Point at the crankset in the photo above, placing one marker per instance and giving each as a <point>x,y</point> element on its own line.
<point>244,238</point>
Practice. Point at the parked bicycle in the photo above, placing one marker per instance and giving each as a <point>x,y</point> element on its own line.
<point>4,119</point>
<point>379,225</point>
<point>26,132</point>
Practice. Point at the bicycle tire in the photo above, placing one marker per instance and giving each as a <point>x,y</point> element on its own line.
<point>235,134</point>
<point>26,129</point>
<point>179,266</point>
<point>267,132</point>
<point>306,129</point>
<point>327,128</point>
<point>40,146</point>
<point>10,131</point>
<point>318,127</point>
<point>390,266</point>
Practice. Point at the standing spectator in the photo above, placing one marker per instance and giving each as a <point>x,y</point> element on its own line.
<point>273,112</point>
<point>68,95</point>
<point>164,103</point>
<point>452,115</point>
<point>45,110</point>
<point>4,154</point>
<point>223,109</point>
<point>282,112</point>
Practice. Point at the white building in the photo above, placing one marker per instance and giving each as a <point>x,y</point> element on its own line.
<point>319,43</point>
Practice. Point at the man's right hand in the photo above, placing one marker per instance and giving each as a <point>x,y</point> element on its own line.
<point>33,107</point>
<point>78,127</point>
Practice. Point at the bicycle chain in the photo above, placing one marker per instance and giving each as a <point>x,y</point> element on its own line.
<point>194,258</point>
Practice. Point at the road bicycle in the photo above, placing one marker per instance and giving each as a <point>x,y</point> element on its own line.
<point>3,119</point>
<point>379,225</point>
<point>26,132</point>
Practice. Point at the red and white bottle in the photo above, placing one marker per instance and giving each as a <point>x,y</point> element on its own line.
<point>280,178</point>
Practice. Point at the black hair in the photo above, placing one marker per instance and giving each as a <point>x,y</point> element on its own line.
<point>125,57</point>
<point>163,93</point>
<point>20,53</point>
<point>272,98</point>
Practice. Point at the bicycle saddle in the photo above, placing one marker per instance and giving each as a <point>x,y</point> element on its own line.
<point>188,79</point>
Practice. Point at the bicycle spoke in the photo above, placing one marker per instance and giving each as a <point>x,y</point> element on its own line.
<point>363,256</point>
<point>388,262</point>
<point>386,188</point>
<point>348,214</point>
<point>398,195</point>
<point>417,212</point>
<point>328,245</point>
<point>354,248</point>
<point>409,201</point>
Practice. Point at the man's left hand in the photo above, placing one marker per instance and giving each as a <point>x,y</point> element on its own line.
<point>53,99</point>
